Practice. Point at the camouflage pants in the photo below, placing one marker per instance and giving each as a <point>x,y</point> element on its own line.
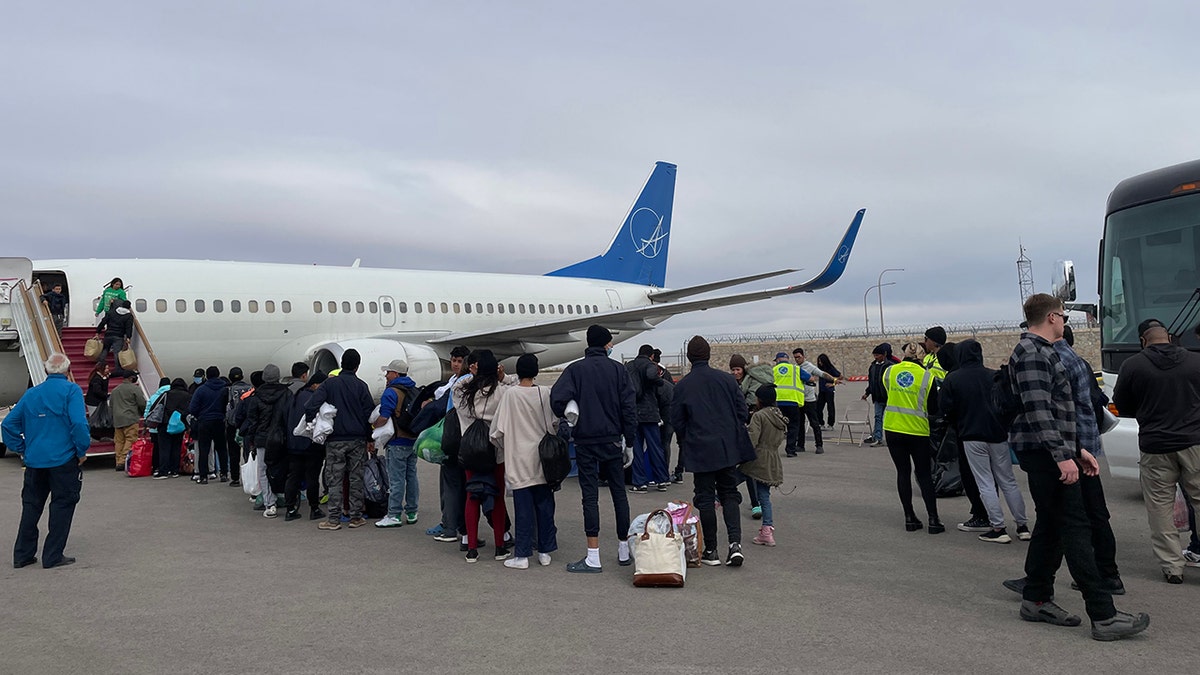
<point>342,458</point>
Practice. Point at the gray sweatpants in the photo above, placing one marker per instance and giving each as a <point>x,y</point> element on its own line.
<point>993,469</point>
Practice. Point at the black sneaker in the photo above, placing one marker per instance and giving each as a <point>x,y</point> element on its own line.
<point>224,478</point>
<point>316,514</point>
<point>661,487</point>
<point>1050,613</point>
<point>203,480</point>
<point>1120,626</point>
<point>677,477</point>
<point>820,450</point>
<point>999,536</point>
<point>975,525</point>
<point>503,553</point>
<point>291,515</point>
<point>710,558</point>
<point>235,483</point>
<point>735,558</point>
<point>1015,585</point>
<point>936,526</point>
<point>638,488</point>
<point>473,555</point>
<point>1023,533</point>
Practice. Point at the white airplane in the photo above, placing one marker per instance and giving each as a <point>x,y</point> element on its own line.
<point>199,313</point>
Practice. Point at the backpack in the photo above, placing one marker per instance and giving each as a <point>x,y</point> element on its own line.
<point>475,451</point>
<point>375,481</point>
<point>236,391</point>
<point>155,416</point>
<point>402,416</point>
<point>1006,403</point>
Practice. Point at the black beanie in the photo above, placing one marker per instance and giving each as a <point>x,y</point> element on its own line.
<point>766,394</point>
<point>527,366</point>
<point>883,348</point>
<point>235,374</point>
<point>698,349</point>
<point>212,373</point>
<point>164,382</point>
<point>316,378</point>
<point>937,334</point>
<point>737,361</point>
<point>256,378</point>
<point>598,336</point>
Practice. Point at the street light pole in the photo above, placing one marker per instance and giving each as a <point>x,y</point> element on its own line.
<point>882,331</point>
<point>867,321</point>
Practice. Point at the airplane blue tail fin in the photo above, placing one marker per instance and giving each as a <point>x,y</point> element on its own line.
<point>638,253</point>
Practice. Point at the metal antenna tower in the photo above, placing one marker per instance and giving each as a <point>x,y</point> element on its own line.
<point>1024,275</point>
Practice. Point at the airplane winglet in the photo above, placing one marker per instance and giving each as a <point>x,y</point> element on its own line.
<point>837,262</point>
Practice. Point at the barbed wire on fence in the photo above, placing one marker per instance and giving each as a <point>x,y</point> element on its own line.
<point>966,328</point>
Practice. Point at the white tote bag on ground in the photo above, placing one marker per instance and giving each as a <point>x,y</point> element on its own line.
<point>658,553</point>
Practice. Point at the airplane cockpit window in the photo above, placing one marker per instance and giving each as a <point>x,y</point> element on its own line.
<point>332,307</point>
<point>286,306</point>
<point>316,306</point>
<point>360,307</point>
<point>181,306</point>
<point>269,305</point>
<point>218,306</point>
<point>140,305</point>
<point>374,307</point>
<point>199,306</point>
<point>235,306</point>
<point>160,305</point>
<point>252,306</point>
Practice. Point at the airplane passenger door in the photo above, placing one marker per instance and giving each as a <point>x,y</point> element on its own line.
<point>387,311</point>
<point>614,300</point>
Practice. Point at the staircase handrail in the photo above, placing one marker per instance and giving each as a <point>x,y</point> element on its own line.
<point>148,376</point>
<point>33,345</point>
<point>46,319</point>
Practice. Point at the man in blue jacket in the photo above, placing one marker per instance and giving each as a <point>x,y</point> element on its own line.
<point>607,413</point>
<point>346,446</point>
<point>208,407</point>
<point>49,428</point>
<point>709,414</point>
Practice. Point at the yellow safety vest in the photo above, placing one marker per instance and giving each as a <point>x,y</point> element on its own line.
<point>788,385</point>
<point>908,386</point>
<point>932,365</point>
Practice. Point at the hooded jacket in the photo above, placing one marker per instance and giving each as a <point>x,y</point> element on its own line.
<point>118,323</point>
<point>161,391</point>
<point>48,426</point>
<point>267,414</point>
<point>299,445</point>
<point>352,398</point>
<point>875,388</point>
<point>209,400</point>
<point>128,401</point>
<point>607,407</point>
<point>965,397</point>
<point>768,433</point>
<point>177,399</point>
<point>754,378</point>
<point>644,377</point>
<point>391,399</point>
<point>1160,387</point>
<point>709,415</point>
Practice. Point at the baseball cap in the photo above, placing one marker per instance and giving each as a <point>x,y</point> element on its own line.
<point>1147,325</point>
<point>397,366</point>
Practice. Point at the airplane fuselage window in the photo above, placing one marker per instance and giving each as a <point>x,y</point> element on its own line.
<point>199,306</point>
<point>286,306</point>
<point>595,309</point>
<point>401,307</point>
<point>521,308</point>
<point>252,306</point>
<point>418,307</point>
<point>511,309</point>
<point>500,307</point>
<point>457,308</point>
<point>218,306</point>
<point>269,305</point>
<point>430,306</point>
<point>491,309</point>
<point>387,308</point>
<point>541,309</point>
<point>587,309</point>
<point>570,309</point>
<point>235,306</point>
<point>479,308</point>
<point>181,306</point>
<point>345,307</point>
<point>332,307</point>
<point>360,307</point>
<point>560,309</point>
<point>374,307</point>
<point>140,305</point>
<point>551,308</point>
<point>160,306</point>
<point>317,307</point>
<point>445,308</point>
<point>467,307</point>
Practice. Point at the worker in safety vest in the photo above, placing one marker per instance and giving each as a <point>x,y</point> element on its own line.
<point>789,396</point>
<point>935,339</point>
<point>911,399</point>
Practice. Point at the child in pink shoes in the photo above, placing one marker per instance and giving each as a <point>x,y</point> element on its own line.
<point>768,432</point>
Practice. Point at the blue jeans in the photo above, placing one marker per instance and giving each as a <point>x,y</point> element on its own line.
<point>534,508</point>
<point>879,421</point>
<point>402,480</point>
<point>649,462</point>
<point>764,500</point>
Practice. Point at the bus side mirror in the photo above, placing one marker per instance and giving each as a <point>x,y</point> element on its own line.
<point>1062,283</point>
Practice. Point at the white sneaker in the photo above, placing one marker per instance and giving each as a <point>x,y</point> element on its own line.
<point>389,521</point>
<point>1191,559</point>
<point>544,559</point>
<point>270,512</point>
<point>517,563</point>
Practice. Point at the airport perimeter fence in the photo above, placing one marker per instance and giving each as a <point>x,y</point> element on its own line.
<point>973,329</point>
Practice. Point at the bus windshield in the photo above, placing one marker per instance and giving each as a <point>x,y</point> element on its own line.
<point>1151,265</point>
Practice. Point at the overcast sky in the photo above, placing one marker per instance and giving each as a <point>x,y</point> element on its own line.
<point>485,137</point>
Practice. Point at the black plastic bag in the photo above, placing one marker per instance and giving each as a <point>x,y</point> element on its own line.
<point>475,451</point>
<point>556,460</point>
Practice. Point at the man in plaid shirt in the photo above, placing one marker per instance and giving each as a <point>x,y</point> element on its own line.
<point>1044,438</point>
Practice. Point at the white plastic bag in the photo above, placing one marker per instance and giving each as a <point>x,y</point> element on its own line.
<point>381,435</point>
<point>571,414</point>
<point>250,477</point>
<point>323,424</point>
<point>303,429</point>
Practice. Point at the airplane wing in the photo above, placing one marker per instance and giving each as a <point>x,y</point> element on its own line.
<point>689,291</point>
<point>528,337</point>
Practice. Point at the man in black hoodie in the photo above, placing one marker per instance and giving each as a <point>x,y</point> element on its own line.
<point>607,414</point>
<point>876,389</point>
<point>965,398</point>
<point>1160,387</point>
<point>117,327</point>
<point>346,446</point>
<point>649,463</point>
<point>268,433</point>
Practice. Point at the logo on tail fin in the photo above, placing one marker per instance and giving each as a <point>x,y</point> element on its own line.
<point>646,230</point>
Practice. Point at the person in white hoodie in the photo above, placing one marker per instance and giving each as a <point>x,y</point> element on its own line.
<point>522,421</point>
<point>810,409</point>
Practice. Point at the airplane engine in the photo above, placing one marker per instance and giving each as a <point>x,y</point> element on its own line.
<point>424,364</point>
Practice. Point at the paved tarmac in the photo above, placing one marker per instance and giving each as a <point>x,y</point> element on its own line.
<point>175,577</point>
